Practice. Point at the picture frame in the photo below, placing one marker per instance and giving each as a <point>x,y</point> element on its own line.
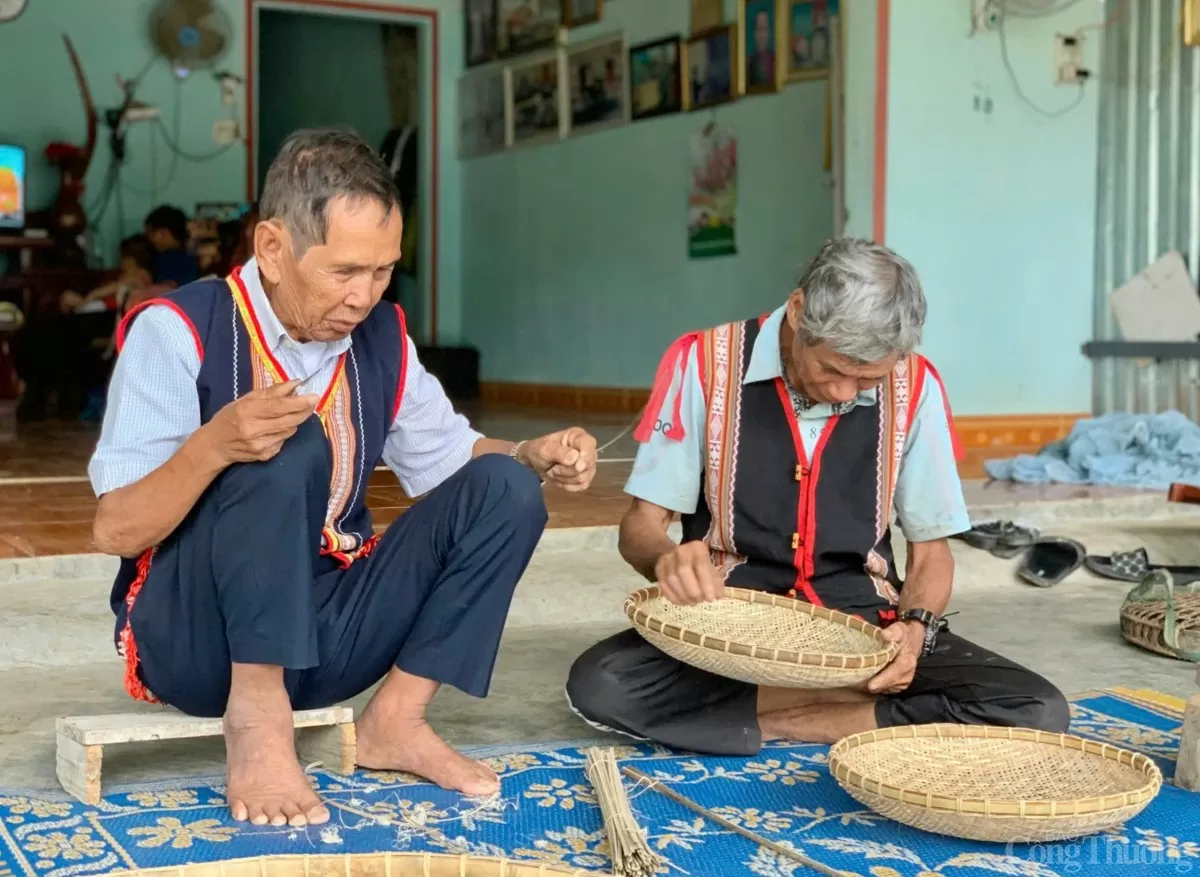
<point>656,78</point>
<point>809,36</point>
<point>527,26</point>
<point>710,69</point>
<point>706,14</point>
<point>480,37</point>
<point>596,85</point>
<point>577,13</point>
<point>484,126</point>
<point>762,44</point>
<point>537,111</point>
<point>1191,22</point>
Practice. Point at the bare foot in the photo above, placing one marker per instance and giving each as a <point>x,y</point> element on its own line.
<point>413,747</point>
<point>264,781</point>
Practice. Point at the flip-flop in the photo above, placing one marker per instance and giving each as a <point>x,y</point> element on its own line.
<point>984,535</point>
<point>1050,560</point>
<point>1135,565</point>
<point>1013,539</point>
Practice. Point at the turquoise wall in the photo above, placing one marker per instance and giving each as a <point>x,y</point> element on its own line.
<point>996,210</point>
<point>110,36</point>
<point>575,253</point>
<point>317,70</point>
<point>39,102</point>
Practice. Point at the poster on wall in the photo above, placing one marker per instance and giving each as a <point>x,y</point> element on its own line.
<point>712,199</point>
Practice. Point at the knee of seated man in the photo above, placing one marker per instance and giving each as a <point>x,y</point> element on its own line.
<point>594,691</point>
<point>1052,712</point>
<point>517,483</point>
<point>1039,706</point>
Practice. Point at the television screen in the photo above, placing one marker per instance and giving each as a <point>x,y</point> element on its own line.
<point>12,187</point>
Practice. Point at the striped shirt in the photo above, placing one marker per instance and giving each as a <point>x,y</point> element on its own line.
<point>153,406</point>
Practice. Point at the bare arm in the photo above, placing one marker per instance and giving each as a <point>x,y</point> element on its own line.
<point>930,576</point>
<point>643,536</point>
<point>141,515</point>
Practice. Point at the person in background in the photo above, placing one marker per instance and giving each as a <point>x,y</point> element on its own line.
<point>137,263</point>
<point>167,231</point>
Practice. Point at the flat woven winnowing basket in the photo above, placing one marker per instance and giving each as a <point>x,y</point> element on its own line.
<point>366,865</point>
<point>1008,785</point>
<point>763,638</point>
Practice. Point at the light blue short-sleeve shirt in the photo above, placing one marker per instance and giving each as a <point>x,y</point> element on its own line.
<point>928,500</point>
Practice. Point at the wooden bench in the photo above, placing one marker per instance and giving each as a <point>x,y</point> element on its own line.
<point>325,735</point>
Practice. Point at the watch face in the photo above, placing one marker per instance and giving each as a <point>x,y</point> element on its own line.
<point>10,9</point>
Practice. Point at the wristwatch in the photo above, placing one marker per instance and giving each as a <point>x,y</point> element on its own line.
<point>932,623</point>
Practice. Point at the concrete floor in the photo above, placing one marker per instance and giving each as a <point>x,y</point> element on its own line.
<point>56,655</point>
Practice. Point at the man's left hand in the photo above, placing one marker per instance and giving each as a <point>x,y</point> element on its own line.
<point>566,458</point>
<point>909,636</point>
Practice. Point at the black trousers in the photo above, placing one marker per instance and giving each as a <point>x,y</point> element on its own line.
<point>624,684</point>
<point>242,581</point>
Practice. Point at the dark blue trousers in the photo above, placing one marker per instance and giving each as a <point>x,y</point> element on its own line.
<point>242,581</point>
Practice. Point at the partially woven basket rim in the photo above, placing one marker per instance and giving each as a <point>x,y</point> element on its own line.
<point>997,808</point>
<point>635,611</point>
<point>352,864</point>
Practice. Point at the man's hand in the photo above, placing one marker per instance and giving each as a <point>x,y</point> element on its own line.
<point>566,458</point>
<point>686,576</point>
<point>254,427</point>
<point>898,675</point>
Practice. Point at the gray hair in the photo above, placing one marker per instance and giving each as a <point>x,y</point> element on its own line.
<point>314,168</point>
<point>861,300</point>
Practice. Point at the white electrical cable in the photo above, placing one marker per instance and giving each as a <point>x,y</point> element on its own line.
<point>1016,83</point>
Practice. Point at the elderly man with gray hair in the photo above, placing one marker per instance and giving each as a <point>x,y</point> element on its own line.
<point>785,443</point>
<point>246,417</point>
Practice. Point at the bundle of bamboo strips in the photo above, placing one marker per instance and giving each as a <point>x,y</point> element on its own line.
<point>631,855</point>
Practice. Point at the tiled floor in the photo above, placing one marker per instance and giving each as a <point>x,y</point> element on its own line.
<point>46,504</point>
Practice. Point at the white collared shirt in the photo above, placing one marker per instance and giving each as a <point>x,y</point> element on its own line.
<point>153,406</point>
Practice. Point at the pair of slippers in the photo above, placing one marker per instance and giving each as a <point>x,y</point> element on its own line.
<point>1047,561</point>
<point>1135,565</point>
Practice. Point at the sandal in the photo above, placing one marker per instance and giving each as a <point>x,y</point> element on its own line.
<point>1135,565</point>
<point>1001,538</point>
<point>1050,560</point>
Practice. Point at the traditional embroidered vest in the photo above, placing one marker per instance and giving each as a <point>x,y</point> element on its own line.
<point>357,411</point>
<point>775,520</point>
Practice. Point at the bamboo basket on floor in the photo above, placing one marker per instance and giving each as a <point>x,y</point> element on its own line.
<point>763,639</point>
<point>1144,624</point>
<point>366,865</point>
<point>1008,785</point>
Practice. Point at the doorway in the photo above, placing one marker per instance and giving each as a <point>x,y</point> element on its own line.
<point>330,65</point>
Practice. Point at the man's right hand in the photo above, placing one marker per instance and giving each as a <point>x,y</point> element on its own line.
<point>254,427</point>
<point>686,576</point>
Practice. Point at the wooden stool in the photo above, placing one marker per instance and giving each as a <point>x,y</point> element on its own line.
<point>326,735</point>
<point>1187,767</point>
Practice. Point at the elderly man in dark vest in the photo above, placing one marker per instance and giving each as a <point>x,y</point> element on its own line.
<point>785,443</point>
<point>245,418</point>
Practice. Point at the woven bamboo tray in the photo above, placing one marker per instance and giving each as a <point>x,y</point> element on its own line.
<point>994,784</point>
<point>763,639</point>
<point>366,865</point>
<point>1142,624</point>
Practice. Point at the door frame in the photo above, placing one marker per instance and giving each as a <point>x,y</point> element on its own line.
<point>426,21</point>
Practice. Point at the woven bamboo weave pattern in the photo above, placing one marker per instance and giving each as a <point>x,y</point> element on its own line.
<point>763,638</point>
<point>1142,624</point>
<point>994,784</point>
<point>365,865</point>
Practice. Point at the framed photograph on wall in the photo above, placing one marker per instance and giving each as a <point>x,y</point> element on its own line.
<point>577,13</point>
<point>535,98</point>
<point>479,26</point>
<point>808,37</point>
<point>527,25</point>
<point>483,126</point>
<point>656,79</point>
<point>598,85</point>
<point>710,71</point>
<point>762,65</point>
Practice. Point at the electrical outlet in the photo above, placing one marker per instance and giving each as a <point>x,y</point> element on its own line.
<point>986,16</point>
<point>1068,60</point>
<point>140,113</point>
<point>225,131</point>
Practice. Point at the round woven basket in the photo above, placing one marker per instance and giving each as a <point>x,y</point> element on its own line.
<point>1142,624</point>
<point>1009,785</point>
<point>367,865</point>
<point>763,639</point>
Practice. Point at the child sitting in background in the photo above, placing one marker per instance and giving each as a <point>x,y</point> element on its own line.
<point>137,257</point>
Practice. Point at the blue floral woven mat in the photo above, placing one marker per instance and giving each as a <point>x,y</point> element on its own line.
<point>548,812</point>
